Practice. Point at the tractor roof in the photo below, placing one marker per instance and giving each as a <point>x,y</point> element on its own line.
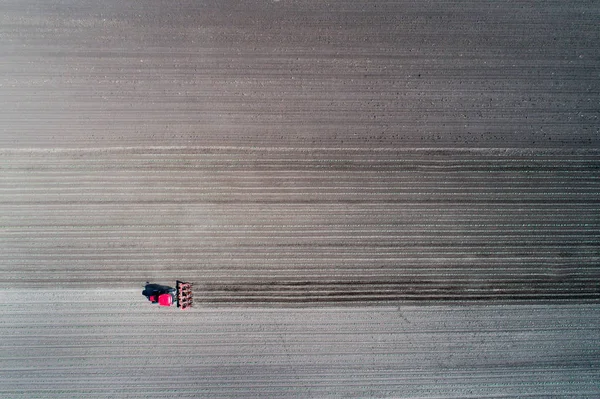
<point>165,300</point>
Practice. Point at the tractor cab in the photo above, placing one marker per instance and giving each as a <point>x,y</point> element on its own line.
<point>161,294</point>
<point>162,299</point>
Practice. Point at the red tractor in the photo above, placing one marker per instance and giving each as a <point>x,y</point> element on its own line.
<point>180,296</point>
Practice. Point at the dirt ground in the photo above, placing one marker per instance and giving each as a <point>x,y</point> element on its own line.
<point>374,199</point>
<point>102,343</point>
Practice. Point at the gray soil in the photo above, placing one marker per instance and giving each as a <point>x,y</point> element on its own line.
<point>373,199</point>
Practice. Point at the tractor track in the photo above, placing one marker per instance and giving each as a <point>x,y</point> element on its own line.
<point>256,234</point>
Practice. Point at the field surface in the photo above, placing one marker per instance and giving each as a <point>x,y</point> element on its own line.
<point>373,199</point>
<point>109,343</point>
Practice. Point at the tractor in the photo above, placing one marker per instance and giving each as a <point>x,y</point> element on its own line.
<point>180,296</point>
